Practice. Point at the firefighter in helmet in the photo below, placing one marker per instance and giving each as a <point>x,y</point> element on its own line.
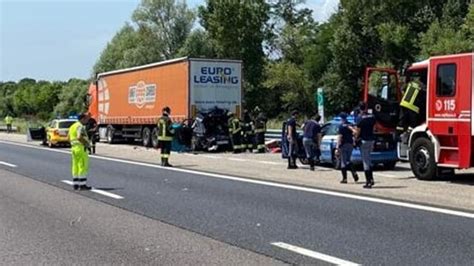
<point>165,136</point>
<point>235,132</point>
<point>260,128</point>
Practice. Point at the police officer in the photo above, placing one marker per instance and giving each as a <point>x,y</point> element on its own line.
<point>248,132</point>
<point>8,122</point>
<point>91,128</point>
<point>345,145</point>
<point>311,140</point>
<point>411,107</point>
<point>260,129</point>
<point>165,136</point>
<point>80,159</point>
<point>235,132</point>
<point>365,132</point>
<point>292,137</point>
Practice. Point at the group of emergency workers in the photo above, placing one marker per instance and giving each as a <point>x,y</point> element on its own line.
<point>248,133</point>
<point>361,134</point>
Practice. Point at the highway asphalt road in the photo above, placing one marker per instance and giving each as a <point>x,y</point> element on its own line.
<point>297,226</point>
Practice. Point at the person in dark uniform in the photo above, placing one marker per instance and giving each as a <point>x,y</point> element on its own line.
<point>292,137</point>
<point>91,128</point>
<point>248,132</point>
<point>312,140</point>
<point>345,145</point>
<point>235,132</point>
<point>165,136</point>
<point>365,132</point>
<point>260,129</point>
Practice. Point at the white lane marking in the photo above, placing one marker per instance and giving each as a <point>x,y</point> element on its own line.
<point>98,191</point>
<point>278,185</point>
<point>105,193</point>
<point>314,254</point>
<point>8,164</point>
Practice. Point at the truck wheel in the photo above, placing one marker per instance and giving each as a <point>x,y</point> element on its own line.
<point>110,135</point>
<point>389,165</point>
<point>154,138</point>
<point>422,160</point>
<point>146,137</point>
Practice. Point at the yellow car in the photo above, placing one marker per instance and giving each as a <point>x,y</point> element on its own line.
<point>57,132</point>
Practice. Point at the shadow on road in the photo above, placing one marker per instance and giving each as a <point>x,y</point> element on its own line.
<point>109,188</point>
<point>388,187</point>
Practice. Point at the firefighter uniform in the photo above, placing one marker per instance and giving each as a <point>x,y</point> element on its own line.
<point>235,131</point>
<point>92,134</point>
<point>165,136</point>
<point>80,158</point>
<point>411,107</point>
<point>248,133</point>
<point>260,129</point>
<point>8,122</point>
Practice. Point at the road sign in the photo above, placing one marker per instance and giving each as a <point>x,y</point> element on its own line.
<point>320,103</point>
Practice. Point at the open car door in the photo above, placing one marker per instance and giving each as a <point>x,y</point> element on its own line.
<point>382,94</point>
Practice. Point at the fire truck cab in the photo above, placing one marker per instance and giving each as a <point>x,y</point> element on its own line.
<point>444,139</point>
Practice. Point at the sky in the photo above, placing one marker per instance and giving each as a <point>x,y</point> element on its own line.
<point>62,39</point>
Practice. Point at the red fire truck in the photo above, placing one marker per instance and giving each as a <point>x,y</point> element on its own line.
<point>444,140</point>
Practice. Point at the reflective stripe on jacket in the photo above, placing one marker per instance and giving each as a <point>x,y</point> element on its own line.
<point>165,132</point>
<point>73,136</point>
<point>234,126</point>
<point>409,98</point>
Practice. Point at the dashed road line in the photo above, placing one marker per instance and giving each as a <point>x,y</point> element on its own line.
<point>98,191</point>
<point>314,254</point>
<point>8,164</point>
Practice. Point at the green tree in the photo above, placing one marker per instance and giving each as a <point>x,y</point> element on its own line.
<point>114,56</point>
<point>290,85</point>
<point>238,30</point>
<point>71,98</point>
<point>198,44</point>
<point>167,23</point>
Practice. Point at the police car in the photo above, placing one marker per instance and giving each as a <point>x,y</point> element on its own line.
<point>384,152</point>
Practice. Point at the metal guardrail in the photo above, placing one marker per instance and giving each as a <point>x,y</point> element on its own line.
<point>275,134</point>
<point>4,128</point>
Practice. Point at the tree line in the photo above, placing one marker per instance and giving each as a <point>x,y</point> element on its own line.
<point>286,54</point>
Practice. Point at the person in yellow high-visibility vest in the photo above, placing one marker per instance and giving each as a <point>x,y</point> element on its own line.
<point>8,122</point>
<point>80,158</point>
<point>165,136</point>
<point>411,107</point>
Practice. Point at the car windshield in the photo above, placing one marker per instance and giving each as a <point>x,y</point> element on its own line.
<point>65,124</point>
<point>330,129</point>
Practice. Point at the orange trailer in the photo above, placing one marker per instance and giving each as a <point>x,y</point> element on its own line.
<point>127,103</point>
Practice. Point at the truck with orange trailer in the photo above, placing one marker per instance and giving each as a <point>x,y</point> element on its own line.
<point>127,103</point>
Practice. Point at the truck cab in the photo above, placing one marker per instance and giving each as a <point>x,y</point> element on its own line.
<point>443,140</point>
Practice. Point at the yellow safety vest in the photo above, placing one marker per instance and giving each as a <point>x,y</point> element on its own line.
<point>8,120</point>
<point>409,98</point>
<point>234,126</point>
<point>165,131</point>
<point>73,138</point>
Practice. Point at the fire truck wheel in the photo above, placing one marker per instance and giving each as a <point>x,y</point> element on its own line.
<point>422,159</point>
<point>146,137</point>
